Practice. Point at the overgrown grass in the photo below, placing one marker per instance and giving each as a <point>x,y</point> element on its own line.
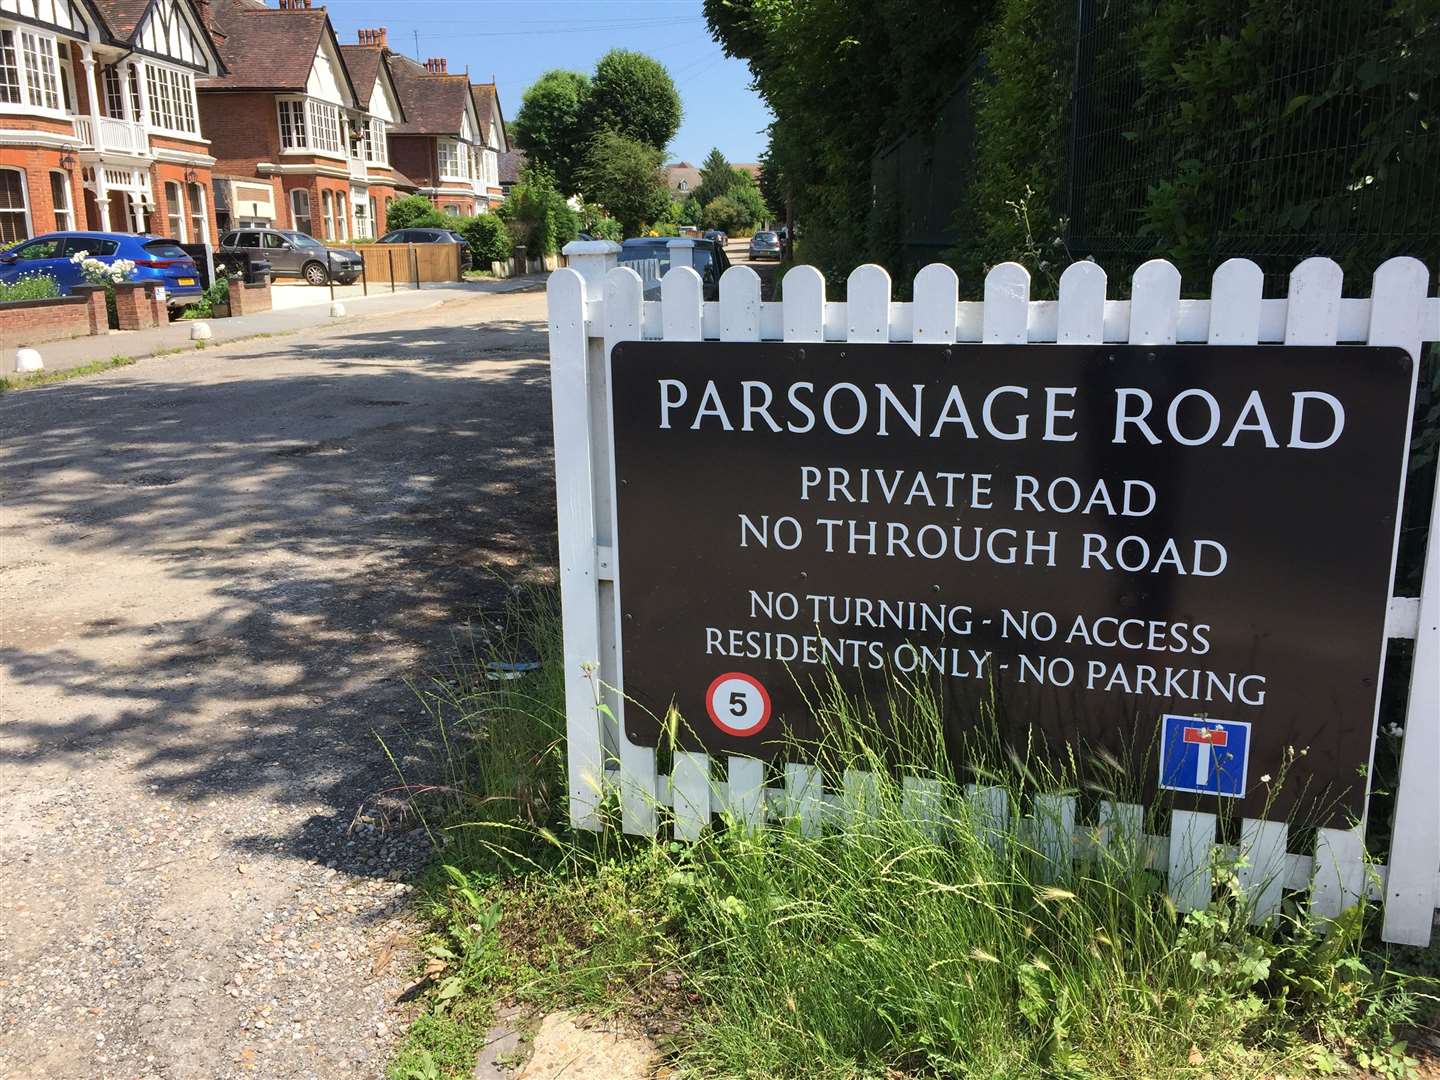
<point>45,378</point>
<point>908,939</point>
<point>32,286</point>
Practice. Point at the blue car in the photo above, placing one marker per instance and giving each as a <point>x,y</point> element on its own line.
<point>156,259</point>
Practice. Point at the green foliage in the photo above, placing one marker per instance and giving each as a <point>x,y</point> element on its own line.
<point>550,126</point>
<point>632,95</point>
<point>745,194</point>
<point>717,177</point>
<point>1011,209</point>
<point>945,940</point>
<point>724,214</point>
<point>215,295</point>
<point>844,79</point>
<point>414,212</point>
<point>488,236</point>
<point>624,175</point>
<point>537,214</point>
<point>32,286</point>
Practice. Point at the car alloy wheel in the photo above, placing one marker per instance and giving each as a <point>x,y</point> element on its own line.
<point>316,274</point>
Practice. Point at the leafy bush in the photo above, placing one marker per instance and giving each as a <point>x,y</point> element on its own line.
<point>488,235</point>
<point>725,214</point>
<point>216,295</point>
<point>624,175</point>
<point>33,286</point>
<point>606,228</point>
<point>414,212</point>
<point>537,214</point>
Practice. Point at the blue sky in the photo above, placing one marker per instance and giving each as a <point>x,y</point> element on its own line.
<point>517,40</point>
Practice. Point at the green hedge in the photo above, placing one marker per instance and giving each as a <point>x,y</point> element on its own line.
<point>488,236</point>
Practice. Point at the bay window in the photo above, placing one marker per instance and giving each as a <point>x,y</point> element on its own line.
<point>308,124</point>
<point>454,159</point>
<point>31,70</point>
<point>375,149</point>
<point>172,98</point>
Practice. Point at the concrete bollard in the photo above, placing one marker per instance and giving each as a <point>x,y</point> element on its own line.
<point>200,331</point>
<point>337,309</point>
<point>28,361</point>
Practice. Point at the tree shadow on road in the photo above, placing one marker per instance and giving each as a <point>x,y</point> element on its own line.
<point>224,580</point>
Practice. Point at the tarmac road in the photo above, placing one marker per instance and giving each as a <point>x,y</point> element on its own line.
<point>216,571</point>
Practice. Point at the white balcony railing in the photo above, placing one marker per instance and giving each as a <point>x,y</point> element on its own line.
<point>358,169</point>
<point>116,136</point>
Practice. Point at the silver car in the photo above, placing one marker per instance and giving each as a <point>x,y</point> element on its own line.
<point>765,245</point>
<point>294,254</point>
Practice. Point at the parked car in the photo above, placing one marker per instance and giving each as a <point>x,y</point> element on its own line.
<point>718,235</point>
<point>765,245</point>
<point>649,256</point>
<point>156,259</point>
<point>294,254</point>
<point>432,236</point>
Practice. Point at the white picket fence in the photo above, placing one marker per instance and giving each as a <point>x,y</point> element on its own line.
<point>594,305</point>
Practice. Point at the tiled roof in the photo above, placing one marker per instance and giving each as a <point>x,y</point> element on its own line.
<point>510,163</point>
<point>121,16</point>
<point>265,48</point>
<point>363,63</point>
<point>433,104</point>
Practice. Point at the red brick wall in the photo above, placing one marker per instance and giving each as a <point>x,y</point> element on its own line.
<point>243,129</point>
<point>37,163</point>
<point>414,155</point>
<point>28,322</point>
<point>162,172</point>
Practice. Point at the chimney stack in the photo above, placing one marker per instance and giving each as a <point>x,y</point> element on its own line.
<point>294,5</point>
<point>375,38</point>
<point>436,65</point>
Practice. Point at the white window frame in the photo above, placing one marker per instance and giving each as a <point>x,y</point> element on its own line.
<point>311,126</point>
<point>34,54</point>
<point>376,150</point>
<point>342,216</point>
<point>199,212</point>
<point>24,212</point>
<point>68,210</point>
<point>172,100</point>
<point>175,210</point>
<point>327,216</point>
<point>309,229</point>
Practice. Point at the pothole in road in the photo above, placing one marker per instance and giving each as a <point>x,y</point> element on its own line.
<point>329,446</point>
<point>148,480</point>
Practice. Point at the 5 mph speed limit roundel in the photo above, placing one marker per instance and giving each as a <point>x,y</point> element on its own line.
<point>738,703</point>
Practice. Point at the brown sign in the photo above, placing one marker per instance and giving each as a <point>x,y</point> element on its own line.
<point>1181,554</point>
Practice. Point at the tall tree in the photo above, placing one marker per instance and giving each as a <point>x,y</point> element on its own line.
<point>550,128</point>
<point>717,177</point>
<point>634,96</point>
<point>624,176</point>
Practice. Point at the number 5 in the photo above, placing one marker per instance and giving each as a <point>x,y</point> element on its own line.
<point>737,703</point>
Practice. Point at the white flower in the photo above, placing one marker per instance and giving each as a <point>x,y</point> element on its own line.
<point>79,257</point>
<point>1265,779</point>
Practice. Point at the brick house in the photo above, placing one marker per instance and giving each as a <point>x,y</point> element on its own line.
<point>445,148</point>
<point>99,124</point>
<point>298,143</point>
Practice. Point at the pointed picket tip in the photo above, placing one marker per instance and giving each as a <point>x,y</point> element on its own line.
<point>1312,311</point>
<point>1081,318</point>
<point>867,304</point>
<point>1006,314</point>
<point>682,295</point>
<point>565,287</point>
<point>1397,304</point>
<point>1236,289</point>
<point>937,291</point>
<point>803,304</point>
<point>1154,303</point>
<point>740,304</point>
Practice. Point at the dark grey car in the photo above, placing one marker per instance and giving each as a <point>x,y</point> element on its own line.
<point>431,236</point>
<point>294,254</point>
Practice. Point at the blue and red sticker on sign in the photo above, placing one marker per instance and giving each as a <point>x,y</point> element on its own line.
<point>1204,756</point>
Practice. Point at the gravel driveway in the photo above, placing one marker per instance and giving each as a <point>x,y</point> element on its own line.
<point>216,572</point>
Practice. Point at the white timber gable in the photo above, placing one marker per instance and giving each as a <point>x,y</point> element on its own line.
<point>169,30</point>
<point>61,15</point>
<point>327,81</point>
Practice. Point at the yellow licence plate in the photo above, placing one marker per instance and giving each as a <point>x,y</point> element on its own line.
<point>186,281</point>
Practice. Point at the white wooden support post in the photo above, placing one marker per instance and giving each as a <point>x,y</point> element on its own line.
<point>682,251</point>
<point>1397,318</point>
<point>592,260</point>
<point>639,794</point>
<point>575,509</point>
